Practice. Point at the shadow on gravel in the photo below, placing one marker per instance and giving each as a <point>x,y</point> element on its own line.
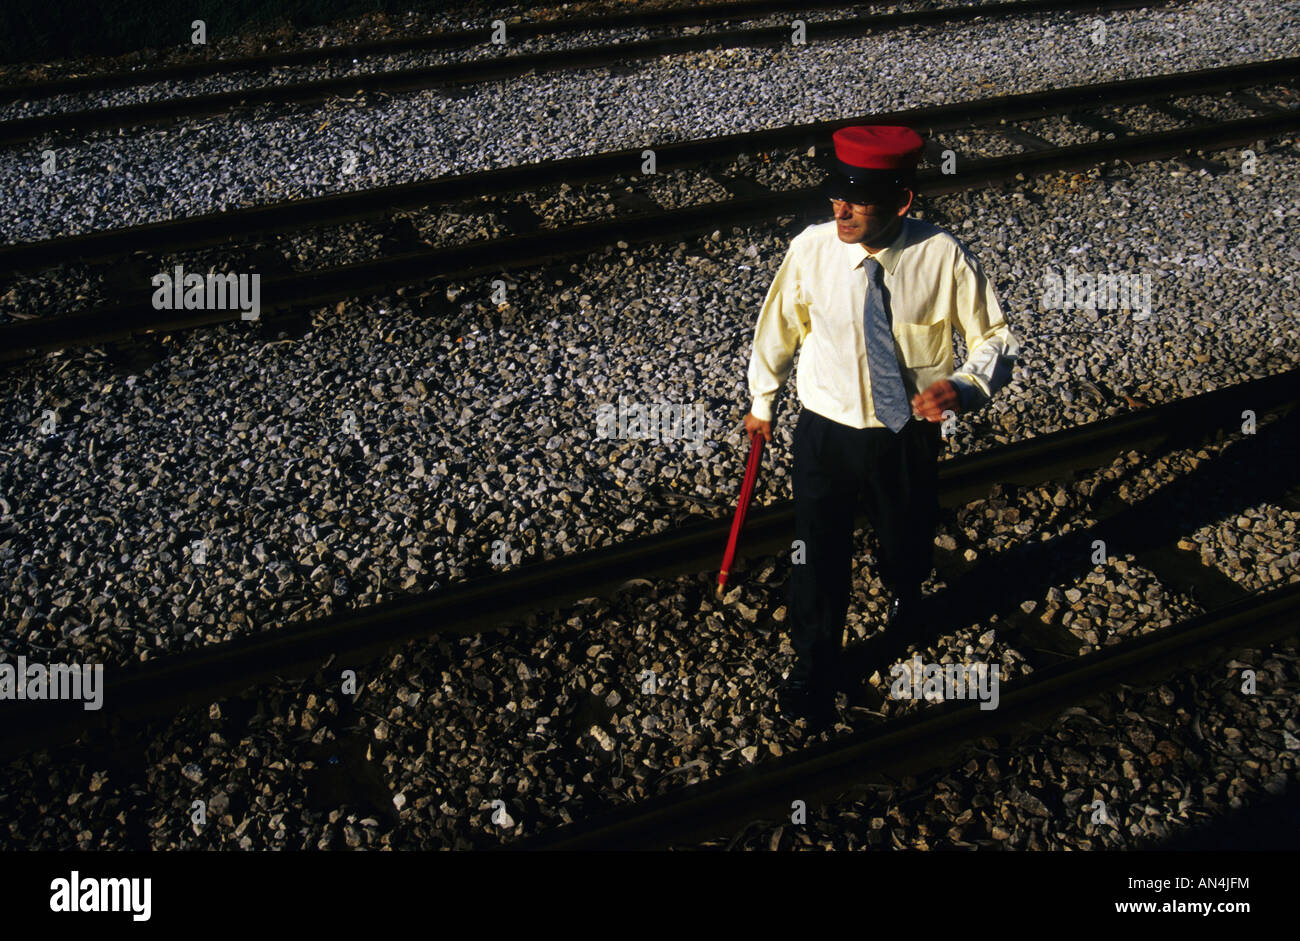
<point>344,779</point>
<point>1252,469</point>
<point>1271,823</point>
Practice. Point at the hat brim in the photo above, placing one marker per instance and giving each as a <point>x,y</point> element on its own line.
<point>878,192</point>
<point>868,176</point>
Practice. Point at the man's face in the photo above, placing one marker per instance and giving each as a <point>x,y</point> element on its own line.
<point>873,223</point>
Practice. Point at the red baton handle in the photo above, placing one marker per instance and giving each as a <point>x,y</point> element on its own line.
<point>742,507</point>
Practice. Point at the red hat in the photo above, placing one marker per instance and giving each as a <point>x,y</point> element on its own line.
<point>874,154</point>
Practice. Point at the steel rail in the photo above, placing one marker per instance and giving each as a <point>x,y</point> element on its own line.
<point>722,806</point>
<point>19,130</point>
<point>315,288</point>
<point>692,15</point>
<point>494,602</point>
<point>216,228</point>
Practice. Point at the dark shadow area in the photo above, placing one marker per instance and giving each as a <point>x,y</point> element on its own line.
<point>41,30</point>
<point>1254,468</point>
<point>1269,823</point>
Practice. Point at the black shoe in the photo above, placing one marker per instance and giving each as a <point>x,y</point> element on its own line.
<point>799,699</point>
<point>905,613</point>
<point>860,694</point>
<point>900,632</point>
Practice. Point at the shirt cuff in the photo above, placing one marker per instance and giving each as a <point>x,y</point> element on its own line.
<point>762,408</point>
<point>968,394</point>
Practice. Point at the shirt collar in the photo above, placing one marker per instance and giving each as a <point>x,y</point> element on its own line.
<point>887,256</point>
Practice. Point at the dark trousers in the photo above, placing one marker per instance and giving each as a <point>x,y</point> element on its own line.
<point>895,477</point>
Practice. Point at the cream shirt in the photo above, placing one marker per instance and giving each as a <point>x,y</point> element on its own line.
<point>932,284</point>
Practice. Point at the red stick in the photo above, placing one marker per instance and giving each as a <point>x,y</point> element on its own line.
<point>742,507</point>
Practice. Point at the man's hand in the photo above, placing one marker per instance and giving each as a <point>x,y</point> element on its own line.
<point>753,425</point>
<point>934,401</point>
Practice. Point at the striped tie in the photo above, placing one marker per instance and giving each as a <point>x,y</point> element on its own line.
<point>887,393</point>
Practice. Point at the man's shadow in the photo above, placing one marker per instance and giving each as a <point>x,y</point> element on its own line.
<point>1251,470</point>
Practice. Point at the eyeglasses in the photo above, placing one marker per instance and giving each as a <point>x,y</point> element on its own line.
<point>859,208</point>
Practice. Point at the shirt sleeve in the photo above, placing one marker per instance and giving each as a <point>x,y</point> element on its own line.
<point>782,324</point>
<point>992,349</point>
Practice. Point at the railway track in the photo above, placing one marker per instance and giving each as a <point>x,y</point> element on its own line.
<point>913,744</point>
<point>205,675</point>
<point>482,70</point>
<point>690,15</point>
<point>715,810</point>
<point>378,203</point>
<point>284,292</point>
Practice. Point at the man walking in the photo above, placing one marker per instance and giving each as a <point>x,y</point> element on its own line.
<point>873,298</point>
